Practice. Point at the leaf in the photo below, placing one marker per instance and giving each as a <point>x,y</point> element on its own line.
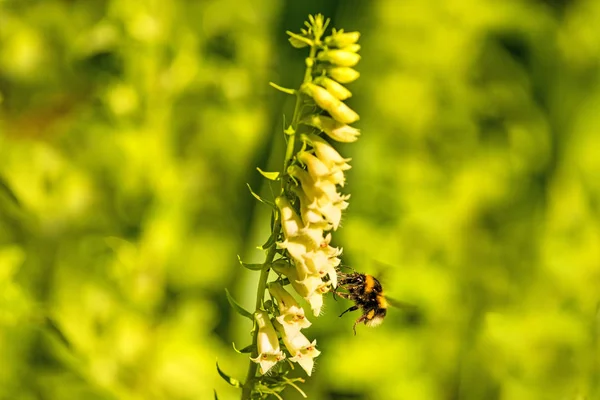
<point>8,192</point>
<point>257,197</point>
<point>251,267</point>
<point>299,41</point>
<point>282,89</point>
<point>269,175</point>
<point>53,330</point>
<point>247,349</point>
<point>235,305</point>
<point>270,242</point>
<point>216,397</point>
<point>232,381</point>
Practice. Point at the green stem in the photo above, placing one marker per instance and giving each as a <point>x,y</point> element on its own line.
<point>250,381</point>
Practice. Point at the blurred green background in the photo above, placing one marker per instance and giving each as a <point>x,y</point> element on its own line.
<point>128,130</point>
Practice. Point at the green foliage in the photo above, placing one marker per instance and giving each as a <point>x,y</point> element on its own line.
<point>129,128</point>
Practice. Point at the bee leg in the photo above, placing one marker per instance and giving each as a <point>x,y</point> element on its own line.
<point>341,294</point>
<point>353,308</point>
<point>358,321</point>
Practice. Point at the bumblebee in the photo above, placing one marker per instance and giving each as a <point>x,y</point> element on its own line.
<point>367,294</point>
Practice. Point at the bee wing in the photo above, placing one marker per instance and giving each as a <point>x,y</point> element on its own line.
<point>412,313</point>
<point>401,304</point>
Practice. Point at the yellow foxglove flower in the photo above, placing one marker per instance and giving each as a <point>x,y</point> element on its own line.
<point>290,222</point>
<point>340,57</point>
<point>334,129</point>
<point>293,227</point>
<point>332,212</point>
<point>311,288</point>
<point>355,48</point>
<point>269,352</point>
<point>315,299</point>
<point>318,171</point>
<point>343,74</point>
<point>333,87</point>
<point>316,168</point>
<point>342,39</point>
<point>322,265</point>
<point>314,189</point>
<point>309,209</point>
<point>328,102</point>
<point>292,314</point>
<point>301,349</point>
<point>326,153</point>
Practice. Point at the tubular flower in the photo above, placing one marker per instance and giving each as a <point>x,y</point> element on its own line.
<point>333,87</point>
<point>269,352</point>
<point>302,350</point>
<point>342,39</point>
<point>343,74</point>
<point>291,314</point>
<point>328,102</point>
<point>293,227</point>
<point>319,263</point>
<point>342,57</point>
<point>311,287</point>
<point>327,153</point>
<point>336,130</point>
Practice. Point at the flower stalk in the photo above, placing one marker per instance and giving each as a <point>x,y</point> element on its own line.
<point>306,210</point>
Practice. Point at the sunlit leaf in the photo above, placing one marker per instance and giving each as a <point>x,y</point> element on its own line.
<point>245,350</point>
<point>282,89</point>
<point>252,267</point>
<point>299,41</point>
<point>8,192</point>
<point>270,242</point>
<point>256,196</point>
<point>235,305</point>
<point>232,381</point>
<point>269,175</point>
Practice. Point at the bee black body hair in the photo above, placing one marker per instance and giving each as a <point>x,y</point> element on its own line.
<point>367,294</point>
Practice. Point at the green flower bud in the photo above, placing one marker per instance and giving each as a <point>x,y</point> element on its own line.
<point>343,74</point>
<point>342,39</point>
<point>342,58</point>
<point>336,89</point>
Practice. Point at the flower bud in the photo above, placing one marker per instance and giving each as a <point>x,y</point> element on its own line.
<point>343,74</point>
<point>290,221</point>
<point>334,129</point>
<point>340,57</point>
<point>269,352</point>
<point>331,104</point>
<point>353,48</point>
<point>333,87</point>
<point>321,96</point>
<point>342,39</point>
